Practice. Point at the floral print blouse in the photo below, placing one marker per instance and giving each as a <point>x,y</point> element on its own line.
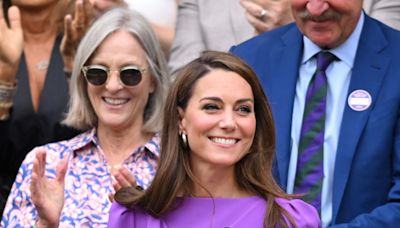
<point>88,181</point>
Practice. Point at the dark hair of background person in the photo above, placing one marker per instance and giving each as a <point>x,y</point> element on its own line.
<point>174,176</point>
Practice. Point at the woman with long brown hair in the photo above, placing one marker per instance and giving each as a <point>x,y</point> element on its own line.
<point>216,159</point>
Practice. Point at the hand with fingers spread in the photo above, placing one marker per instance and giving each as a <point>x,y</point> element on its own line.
<point>47,195</point>
<point>11,43</point>
<point>74,29</point>
<point>265,15</point>
<point>123,177</point>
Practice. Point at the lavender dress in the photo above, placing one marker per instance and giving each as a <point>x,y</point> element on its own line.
<point>201,213</point>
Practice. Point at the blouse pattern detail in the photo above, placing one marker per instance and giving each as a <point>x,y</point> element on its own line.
<point>88,181</point>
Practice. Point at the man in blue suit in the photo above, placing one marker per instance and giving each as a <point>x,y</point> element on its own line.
<point>361,146</point>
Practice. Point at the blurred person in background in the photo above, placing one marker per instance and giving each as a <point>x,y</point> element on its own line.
<point>387,11</point>
<point>265,15</point>
<point>33,88</point>
<point>162,15</point>
<point>217,25</point>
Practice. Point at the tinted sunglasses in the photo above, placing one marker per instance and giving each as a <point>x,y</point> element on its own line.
<point>98,75</point>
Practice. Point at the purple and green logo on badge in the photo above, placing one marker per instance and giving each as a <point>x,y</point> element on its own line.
<point>359,100</point>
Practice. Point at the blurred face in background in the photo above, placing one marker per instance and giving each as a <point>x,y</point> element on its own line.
<point>327,23</point>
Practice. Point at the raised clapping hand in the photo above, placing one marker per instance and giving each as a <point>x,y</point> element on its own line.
<point>74,29</point>
<point>122,178</point>
<point>265,15</point>
<point>11,43</point>
<point>47,194</point>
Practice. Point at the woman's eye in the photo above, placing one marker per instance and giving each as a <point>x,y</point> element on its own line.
<point>210,107</point>
<point>245,109</point>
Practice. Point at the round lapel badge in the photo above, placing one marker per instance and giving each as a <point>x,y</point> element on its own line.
<point>359,100</point>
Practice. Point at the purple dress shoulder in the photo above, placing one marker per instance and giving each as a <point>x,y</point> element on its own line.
<point>213,212</point>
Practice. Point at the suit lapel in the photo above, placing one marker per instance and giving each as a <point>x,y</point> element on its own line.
<point>367,74</point>
<point>281,88</point>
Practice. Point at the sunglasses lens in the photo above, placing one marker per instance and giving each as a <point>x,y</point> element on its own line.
<point>131,77</point>
<point>96,76</point>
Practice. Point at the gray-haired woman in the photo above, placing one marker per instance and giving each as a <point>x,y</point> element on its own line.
<point>117,92</point>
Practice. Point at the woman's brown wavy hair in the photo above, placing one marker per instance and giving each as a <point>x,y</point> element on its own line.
<point>174,176</point>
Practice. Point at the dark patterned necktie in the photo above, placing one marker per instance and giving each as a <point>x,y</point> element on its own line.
<point>310,170</point>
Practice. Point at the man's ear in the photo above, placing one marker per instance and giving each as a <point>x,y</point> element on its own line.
<point>182,121</point>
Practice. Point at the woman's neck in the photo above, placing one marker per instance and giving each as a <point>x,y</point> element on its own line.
<point>119,144</point>
<point>219,182</point>
<point>38,24</point>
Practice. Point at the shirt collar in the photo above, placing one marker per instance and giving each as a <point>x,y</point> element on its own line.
<point>83,140</point>
<point>88,137</point>
<point>346,52</point>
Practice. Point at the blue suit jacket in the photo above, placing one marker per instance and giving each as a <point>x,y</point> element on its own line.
<point>366,186</point>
